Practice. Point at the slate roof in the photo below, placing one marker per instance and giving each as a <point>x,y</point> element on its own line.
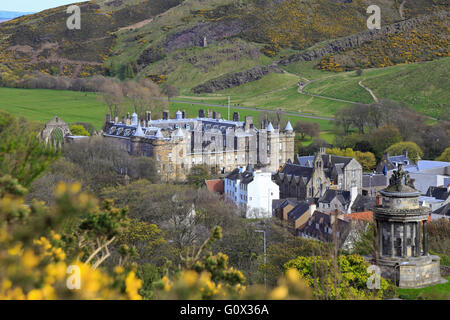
<point>363,203</point>
<point>445,210</point>
<point>327,159</point>
<point>324,221</point>
<point>298,211</point>
<point>377,180</point>
<point>234,175</point>
<point>440,193</point>
<point>297,170</point>
<point>343,197</point>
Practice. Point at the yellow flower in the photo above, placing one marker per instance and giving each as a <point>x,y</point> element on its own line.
<point>189,277</point>
<point>16,250</point>
<point>55,236</point>
<point>35,295</point>
<point>29,259</point>
<point>132,285</point>
<point>279,293</point>
<point>292,275</point>
<point>119,270</point>
<point>166,282</point>
<point>75,188</point>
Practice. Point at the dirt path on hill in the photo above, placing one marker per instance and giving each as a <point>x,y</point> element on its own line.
<point>368,90</point>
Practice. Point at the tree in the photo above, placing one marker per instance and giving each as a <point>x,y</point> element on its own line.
<point>346,278</point>
<point>88,126</point>
<point>366,159</point>
<point>112,95</point>
<point>22,154</point>
<point>145,96</point>
<point>79,130</point>
<point>382,138</point>
<point>414,151</point>
<point>304,128</point>
<point>198,175</point>
<point>445,156</point>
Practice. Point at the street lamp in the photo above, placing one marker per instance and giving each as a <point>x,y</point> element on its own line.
<point>265,257</point>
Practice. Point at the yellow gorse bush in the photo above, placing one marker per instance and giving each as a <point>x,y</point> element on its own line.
<point>39,269</point>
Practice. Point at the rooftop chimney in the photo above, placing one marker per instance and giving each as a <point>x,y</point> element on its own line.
<point>108,118</point>
<point>405,153</point>
<point>201,113</point>
<point>148,116</point>
<point>166,115</point>
<point>312,209</point>
<point>248,122</point>
<point>236,116</point>
<point>184,114</point>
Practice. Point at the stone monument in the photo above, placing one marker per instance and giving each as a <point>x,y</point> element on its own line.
<point>401,239</point>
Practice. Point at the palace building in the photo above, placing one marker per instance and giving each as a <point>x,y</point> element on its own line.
<point>221,145</point>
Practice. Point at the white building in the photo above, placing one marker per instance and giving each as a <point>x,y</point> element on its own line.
<point>252,191</point>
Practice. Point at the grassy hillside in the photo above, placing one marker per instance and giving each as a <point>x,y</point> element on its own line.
<point>422,86</point>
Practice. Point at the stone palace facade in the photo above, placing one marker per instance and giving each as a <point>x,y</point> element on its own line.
<point>221,145</point>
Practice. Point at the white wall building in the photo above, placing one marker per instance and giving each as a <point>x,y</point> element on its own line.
<point>253,191</point>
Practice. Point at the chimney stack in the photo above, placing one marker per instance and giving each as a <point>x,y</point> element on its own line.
<point>248,122</point>
<point>379,200</point>
<point>236,116</point>
<point>148,116</point>
<point>201,113</point>
<point>108,118</point>
<point>184,114</point>
<point>312,209</point>
<point>166,115</point>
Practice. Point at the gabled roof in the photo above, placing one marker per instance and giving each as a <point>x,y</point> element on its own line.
<point>377,180</point>
<point>297,170</point>
<point>298,211</point>
<point>364,216</point>
<point>341,195</point>
<point>440,193</point>
<point>445,210</point>
<point>234,175</point>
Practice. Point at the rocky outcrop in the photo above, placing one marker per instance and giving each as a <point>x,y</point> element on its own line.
<point>355,41</point>
<point>236,79</point>
<point>212,31</point>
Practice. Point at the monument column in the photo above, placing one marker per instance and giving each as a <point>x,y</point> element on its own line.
<point>380,237</point>
<point>392,239</point>
<point>417,253</point>
<point>405,248</point>
<point>425,238</point>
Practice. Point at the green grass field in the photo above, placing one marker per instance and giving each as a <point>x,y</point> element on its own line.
<point>43,105</point>
<point>422,86</point>
<point>437,292</point>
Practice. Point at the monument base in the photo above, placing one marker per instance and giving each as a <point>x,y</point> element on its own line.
<point>412,272</point>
